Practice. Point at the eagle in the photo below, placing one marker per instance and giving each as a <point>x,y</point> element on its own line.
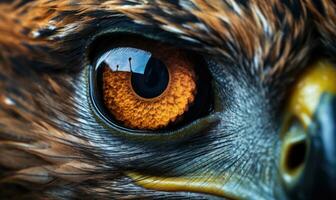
<point>167,99</point>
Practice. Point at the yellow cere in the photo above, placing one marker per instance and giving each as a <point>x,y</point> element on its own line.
<point>317,79</point>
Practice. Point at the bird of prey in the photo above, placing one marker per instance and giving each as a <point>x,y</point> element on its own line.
<point>167,99</point>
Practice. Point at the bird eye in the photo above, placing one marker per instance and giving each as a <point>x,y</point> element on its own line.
<point>141,84</point>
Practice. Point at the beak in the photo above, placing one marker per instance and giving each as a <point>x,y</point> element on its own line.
<point>318,175</point>
<point>308,154</point>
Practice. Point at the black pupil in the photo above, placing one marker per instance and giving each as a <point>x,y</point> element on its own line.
<point>153,82</point>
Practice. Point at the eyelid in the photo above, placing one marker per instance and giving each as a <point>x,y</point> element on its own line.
<point>138,31</point>
<point>205,120</point>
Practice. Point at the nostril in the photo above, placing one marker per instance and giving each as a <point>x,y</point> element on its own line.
<point>293,155</point>
<point>296,156</point>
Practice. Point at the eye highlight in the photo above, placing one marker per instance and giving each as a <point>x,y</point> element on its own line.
<point>145,85</point>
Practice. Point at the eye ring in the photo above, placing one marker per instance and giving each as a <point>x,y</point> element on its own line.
<point>104,118</point>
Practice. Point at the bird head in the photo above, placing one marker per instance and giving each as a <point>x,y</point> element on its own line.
<point>244,106</point>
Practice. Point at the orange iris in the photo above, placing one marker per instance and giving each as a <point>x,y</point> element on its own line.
<point>135,111</point>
